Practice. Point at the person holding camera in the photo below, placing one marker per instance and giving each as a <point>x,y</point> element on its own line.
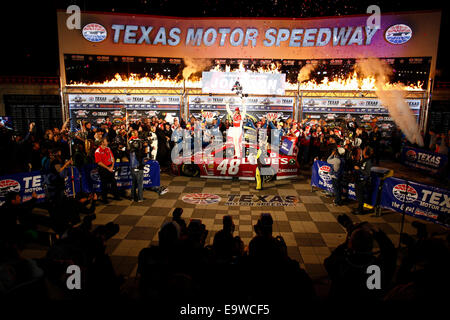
<point>271,273</point>
<point>363,165</point>
<point>225,245</point>
<point>264,245</point>
<point>336,159</point>
<point>105,161</point>
<point>348,264</point>
<point>137,156</point>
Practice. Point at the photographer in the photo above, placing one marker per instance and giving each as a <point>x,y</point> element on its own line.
<point>85,248</point>
<point>105,161</point>
<point>337,160</point>
<point>286,283</point>
<point>423,269</point>
<point>225,245</point>
<point>363,165</point>
<point>137,155</point>
<point>16,216</point>
<point>347,265</point>
<point>67,213</point>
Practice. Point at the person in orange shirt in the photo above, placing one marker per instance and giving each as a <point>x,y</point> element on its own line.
<point>105,161</point>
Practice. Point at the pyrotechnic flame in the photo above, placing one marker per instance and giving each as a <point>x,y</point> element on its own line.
<point>392,97</point>
<point>351,82</point>
<point>354,83</point>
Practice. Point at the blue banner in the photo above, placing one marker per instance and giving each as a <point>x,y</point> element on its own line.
<point>417,200</point>
<point>321,178</point>
<point>91,181</point>
<point>28,182</point>
<point>287,146</point>
<point>425,160</point>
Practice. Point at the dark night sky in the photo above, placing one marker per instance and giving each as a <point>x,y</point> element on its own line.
<point>29,35</point>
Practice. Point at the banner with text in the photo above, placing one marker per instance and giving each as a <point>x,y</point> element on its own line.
<point>321,178</point>
<point>28,182</point>
<point>90,179</point>
<point>252,83</point>
<point>424,160</point>
<point>417,200</point>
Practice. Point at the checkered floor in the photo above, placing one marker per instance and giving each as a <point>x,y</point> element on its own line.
<point>309,227</point>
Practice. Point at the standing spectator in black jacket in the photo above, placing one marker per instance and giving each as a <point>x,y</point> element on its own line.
<point>137,155</point>
<point>375,139</point>
<point>362,168</point>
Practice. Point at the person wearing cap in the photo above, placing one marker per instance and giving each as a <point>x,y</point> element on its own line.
<point>294,130</point>
<point>337,161</point>
<point>235,131</point>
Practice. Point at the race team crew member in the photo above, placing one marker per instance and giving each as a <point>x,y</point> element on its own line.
<point>105,161</point>
<point>263,170</point>
<point>235,131</point>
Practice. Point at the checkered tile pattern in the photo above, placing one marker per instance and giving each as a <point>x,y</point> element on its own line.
<point>309,228</point>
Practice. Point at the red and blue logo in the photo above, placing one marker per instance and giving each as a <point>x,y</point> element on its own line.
<point>201,198</point>
<point>398,34</point>
<point>94,32</point>
<point>8,185</point>
<point>411,155</point>
<point>404,193</point>
<point>324,172</point>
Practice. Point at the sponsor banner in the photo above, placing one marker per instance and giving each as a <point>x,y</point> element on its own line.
<point>417,200</point>
<point>122,99</point>
<point>252,83</point>
<point>233,100</point>
<point>424,160</point>
<point>90,180</point>
<point>250,108</point>
<point>287,145</point>
<point>95,108</point>
<point>321,178</point>
<point>279,108</point>
<point>135,115</point>
<point>29,182</point>
<point>362,106</point>
<point>256,200</point>
<point>410,34</point>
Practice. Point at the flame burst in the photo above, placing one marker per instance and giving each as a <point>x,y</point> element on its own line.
<point>351,82</point>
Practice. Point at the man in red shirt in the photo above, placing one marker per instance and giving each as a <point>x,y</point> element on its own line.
<point>105,161</point>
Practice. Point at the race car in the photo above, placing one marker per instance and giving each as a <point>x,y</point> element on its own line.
<point>223,164</point>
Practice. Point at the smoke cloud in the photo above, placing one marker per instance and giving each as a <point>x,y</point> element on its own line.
<point>304,73</point>
<point>194,65</point>
<point>393,98</point>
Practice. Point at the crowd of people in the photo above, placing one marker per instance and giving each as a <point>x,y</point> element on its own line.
<point>314,139</point>
<point>350,146</point>
<point>182,265</point>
